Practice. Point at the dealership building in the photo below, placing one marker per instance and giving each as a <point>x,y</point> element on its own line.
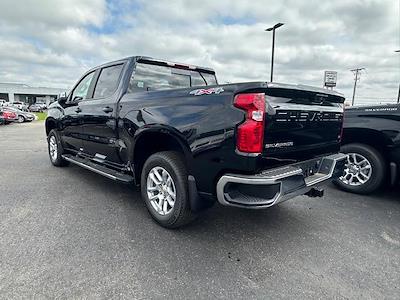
<point>13,92</point>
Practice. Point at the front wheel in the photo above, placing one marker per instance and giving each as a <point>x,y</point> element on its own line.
<point>55,149</point>
<point>365,169</point>
<point>21,119</point>
<point>164,187</point>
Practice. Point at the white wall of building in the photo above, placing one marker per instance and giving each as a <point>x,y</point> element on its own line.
<point>15,89</point>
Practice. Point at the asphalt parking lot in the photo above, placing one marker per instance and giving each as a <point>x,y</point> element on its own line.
<point>69,233</point>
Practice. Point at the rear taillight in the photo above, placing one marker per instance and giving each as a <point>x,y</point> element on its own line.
<point>8,115</point>
<point>250,134</point>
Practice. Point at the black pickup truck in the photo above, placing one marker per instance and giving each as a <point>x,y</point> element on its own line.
<point>371,138</point>
<point>188,141</point>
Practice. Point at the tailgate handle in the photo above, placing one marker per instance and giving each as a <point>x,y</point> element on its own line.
<point>107,109</point>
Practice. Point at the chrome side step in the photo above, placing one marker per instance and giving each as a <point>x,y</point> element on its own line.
<point>99,169</point>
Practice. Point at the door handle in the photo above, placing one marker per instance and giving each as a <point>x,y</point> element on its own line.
<point>107,109</point>
<point>78,109</point>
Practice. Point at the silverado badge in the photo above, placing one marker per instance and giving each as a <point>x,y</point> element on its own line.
<point>279,145</point>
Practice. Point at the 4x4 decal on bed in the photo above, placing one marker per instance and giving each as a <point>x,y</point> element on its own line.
<point>209,91</point>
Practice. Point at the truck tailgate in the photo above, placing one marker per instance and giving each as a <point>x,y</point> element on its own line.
<point>302,121</point>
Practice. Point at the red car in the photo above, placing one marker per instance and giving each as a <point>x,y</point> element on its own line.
<point>7,116</point>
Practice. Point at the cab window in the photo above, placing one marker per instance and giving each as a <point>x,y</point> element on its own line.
<point>209,78</point>
<point>149,77</point>
<point>82,88</point>
<point>197,79</point>
<point>108,81</point>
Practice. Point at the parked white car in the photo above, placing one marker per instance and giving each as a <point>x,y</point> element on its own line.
<point>3,102</point>
<point>19,105</point>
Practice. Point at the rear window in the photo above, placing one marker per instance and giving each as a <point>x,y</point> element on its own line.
<point>197,79</point>
<point>209,78</point>
<point>148,77</point>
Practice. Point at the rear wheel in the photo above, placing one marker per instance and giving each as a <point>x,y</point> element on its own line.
<point>365,169</point>
<point>55,149</point>
<point>21,119</point>
<point>164,187</point>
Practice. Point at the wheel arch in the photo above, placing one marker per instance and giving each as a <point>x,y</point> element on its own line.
<point>373,138</point>
<point>150,140</point>
<point>50,124</point>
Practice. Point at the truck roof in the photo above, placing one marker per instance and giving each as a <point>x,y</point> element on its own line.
<point>172,64</point>
<point>161,62</point>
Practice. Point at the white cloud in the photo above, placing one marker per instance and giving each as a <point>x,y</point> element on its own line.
<point>58,40</point>
<point>54,13</point>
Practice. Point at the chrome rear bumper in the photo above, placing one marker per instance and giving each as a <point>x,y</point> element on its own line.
<point>277,185</point>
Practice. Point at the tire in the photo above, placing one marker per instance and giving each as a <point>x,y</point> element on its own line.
<point>21,119</point>
<point>372,176</point>
<point>55,157</point>
<point>168,163</point>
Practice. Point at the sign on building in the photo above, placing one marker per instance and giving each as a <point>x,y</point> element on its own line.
<point>330,78</point>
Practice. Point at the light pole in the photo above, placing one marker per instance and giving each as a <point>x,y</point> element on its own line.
<point>277,25</point>
<point>398,94</point>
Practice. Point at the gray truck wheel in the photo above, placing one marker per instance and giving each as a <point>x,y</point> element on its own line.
<point>365,169</point>
<point>164,189</point>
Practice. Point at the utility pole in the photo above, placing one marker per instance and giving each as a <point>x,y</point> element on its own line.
<point>273,28</point>
<point>356,72</point>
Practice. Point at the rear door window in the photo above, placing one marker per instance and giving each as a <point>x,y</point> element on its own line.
<point>108,81</point>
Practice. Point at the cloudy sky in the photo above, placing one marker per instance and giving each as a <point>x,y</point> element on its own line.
<point>52,42</point>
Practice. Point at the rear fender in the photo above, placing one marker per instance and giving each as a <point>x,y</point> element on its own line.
<point>166,131</point>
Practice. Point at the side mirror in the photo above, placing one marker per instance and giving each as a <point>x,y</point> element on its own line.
<point>70,102</point>
<point>77,99</point>
<point>62,100</point>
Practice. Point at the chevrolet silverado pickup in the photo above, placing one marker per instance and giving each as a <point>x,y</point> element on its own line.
<point>188,141</point>
<point>371,138</point>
